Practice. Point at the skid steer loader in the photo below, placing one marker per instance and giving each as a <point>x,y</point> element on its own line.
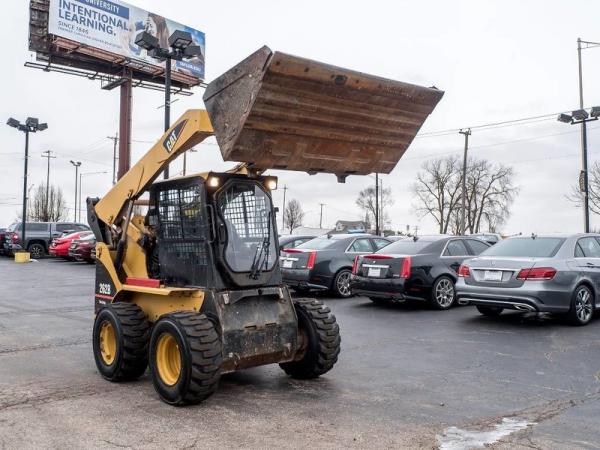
<point>192,289</point>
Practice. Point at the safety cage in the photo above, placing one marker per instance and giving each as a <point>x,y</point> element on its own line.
<point>182,231</point>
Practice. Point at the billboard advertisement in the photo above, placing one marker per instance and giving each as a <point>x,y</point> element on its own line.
<point>112,25</point>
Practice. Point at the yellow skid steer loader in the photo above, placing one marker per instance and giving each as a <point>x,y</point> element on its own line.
<point>192,289</point>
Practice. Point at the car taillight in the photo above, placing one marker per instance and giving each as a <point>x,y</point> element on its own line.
<point>537,273</point>
<point>464,271</point>
<point>355,265</point>
<point>15,237</point>
<point>405,269</point>
<point>312,257</point>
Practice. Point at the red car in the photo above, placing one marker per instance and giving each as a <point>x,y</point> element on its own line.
<point>60,246</point>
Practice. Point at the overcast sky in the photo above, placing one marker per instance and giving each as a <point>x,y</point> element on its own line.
<point>496,61</point>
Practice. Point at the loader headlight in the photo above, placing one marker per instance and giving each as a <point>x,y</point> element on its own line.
<point>213,182</point>
<point>271,183</point>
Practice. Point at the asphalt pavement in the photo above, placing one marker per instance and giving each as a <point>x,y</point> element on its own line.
<point>407,377</point>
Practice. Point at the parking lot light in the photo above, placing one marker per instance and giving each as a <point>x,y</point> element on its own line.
<point>565,118</point>
<point>31,125</point>
<point>580,114</point>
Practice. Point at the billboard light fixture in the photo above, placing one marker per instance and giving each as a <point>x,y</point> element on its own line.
<point>146,41</point>
<point>180,39</point>
<point>565,118</point>
<point>580,114</point>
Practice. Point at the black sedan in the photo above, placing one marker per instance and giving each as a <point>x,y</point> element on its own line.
<point>422,268</point>
<point>325,263</point>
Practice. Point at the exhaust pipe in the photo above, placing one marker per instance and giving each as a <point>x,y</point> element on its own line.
<point>523,307</point>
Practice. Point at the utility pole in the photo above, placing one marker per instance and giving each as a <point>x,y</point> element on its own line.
<point>321,215</point>
<point>584,168</point>
<point>463,223</point>
<point>115,140</point>
<point>285,188</point>
<point>376,204</point>
<point>76,164</point>
<point>48,155</point>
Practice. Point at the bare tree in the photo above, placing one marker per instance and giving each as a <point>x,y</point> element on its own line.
<point>293,215</point>
<point>489,194</point>
<point>366,202</point>
<point>438,190</point>
<point>50,208</point>
<point>576,196</point>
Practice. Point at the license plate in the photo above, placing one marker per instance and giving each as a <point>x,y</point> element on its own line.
<point>374,272</point>
<point>492,275</point>
<point>287,264</point>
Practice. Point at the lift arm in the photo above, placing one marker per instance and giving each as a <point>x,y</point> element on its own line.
<point>192,128</point>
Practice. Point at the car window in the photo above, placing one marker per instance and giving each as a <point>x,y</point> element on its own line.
<point>65,226</point>
<point>319,243</point>
<point>36,227</point>
<point>81,227</point>
<point>589,248</point>
<point>456,248</point>
<point>361,246</point>
<point>380,243</point>
<point>477,246</point>
<point>530,247</point>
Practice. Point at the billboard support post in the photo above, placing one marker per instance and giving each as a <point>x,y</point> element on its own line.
<point>125,124</point>
<point>167,105</point>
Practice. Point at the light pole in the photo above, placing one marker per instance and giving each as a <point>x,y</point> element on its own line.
<point>180,47</point>
<point>582,117</point>
<point>81,175</point>
<point>76,164</point>
<point>31,125</point>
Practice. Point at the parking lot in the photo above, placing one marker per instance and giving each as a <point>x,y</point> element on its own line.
<point>405,377</point>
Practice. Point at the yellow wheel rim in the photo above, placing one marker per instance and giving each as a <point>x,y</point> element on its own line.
<point>168,359</point>
<point>108,343</point>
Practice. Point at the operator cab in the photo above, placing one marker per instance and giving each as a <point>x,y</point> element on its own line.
<point>214,229</point>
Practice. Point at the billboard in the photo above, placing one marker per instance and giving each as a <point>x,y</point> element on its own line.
<point>112,25</point>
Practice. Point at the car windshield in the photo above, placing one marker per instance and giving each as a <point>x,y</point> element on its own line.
<point>406,247</point>
<point>248,215</point>
<point>320,243</point>
<point>539,247</point>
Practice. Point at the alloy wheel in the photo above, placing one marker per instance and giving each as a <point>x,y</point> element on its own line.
<point>583,305</point>
<point>444,293</point>
<point>343,284</point>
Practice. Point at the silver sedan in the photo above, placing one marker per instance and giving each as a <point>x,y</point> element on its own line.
<point>538,274</point>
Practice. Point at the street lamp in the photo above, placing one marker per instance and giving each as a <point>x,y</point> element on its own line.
<point>180,43</point>
<point>31,125</point>
<point>582,117</point>
<point>76,164</point>
<point>81,175</point>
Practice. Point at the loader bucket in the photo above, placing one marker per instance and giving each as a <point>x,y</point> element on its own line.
<point>277,111</point>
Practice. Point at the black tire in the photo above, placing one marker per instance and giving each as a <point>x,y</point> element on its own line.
<point>37,250</point>
<point>131,332</point>
<point>490,311</point>
<point>200,351</point>
<point>341,284</point>
<point>322,340</point>
<point>442,301</point>
<point>582,306</point>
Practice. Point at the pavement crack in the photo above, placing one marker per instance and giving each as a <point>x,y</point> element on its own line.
<point>27,348</point>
